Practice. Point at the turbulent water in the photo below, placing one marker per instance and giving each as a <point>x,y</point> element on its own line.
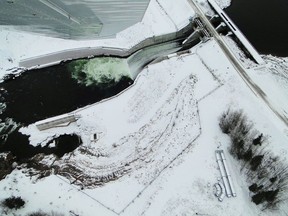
<point>144,56</point>
<point>97,71</point>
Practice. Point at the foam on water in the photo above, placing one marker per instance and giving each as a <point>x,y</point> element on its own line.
<point>104,70</point>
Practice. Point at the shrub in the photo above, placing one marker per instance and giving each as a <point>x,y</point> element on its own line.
<point>255,188</point>
<point>258,140</point>
<point>256,161</point>
<point>248,155</point>
<point>229,120</point>
<point>13,202</point>
<point>40,213</point>
<point>267,174</point>
<point>265,196</point>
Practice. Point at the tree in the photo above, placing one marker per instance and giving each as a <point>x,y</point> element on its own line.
<point>256,161</point>
<point>258,140</point>
<point>271,196</point>
<point>248,155</point>
<point>258,198</point>
<point>229,120</point>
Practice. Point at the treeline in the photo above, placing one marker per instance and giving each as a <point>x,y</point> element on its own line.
<point>266,173</point>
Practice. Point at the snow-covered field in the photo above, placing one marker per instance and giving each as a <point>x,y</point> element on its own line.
<point>157,140</point>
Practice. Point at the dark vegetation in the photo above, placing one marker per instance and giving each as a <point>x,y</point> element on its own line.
<point>13,202</point>
<point>266,173</point>
<point>6,164</point>
<point>41,213</point>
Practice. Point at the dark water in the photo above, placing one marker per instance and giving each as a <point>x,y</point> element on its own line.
<point>264,23</point>
<point>43,93</point>
<point>19,145</point>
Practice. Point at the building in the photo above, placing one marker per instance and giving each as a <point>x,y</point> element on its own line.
<point>77,19</point>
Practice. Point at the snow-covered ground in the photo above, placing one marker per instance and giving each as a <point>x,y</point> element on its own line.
<point>273,80</point>
<point>157,140</point>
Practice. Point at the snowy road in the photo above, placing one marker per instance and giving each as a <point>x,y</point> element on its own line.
<point>237,65</point>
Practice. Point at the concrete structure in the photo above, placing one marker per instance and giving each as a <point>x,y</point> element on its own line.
<point>77,19</point>
<point>199,32</point>
<point>57,121</point>
<point>50,59</point>
<point>253,52</point>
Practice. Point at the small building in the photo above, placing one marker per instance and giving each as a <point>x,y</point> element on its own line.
<point>94,137</point>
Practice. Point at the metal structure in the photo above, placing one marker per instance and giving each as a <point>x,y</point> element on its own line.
<point>77,19</point>
<point>225,174</point>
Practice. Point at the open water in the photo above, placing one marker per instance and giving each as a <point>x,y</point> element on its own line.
<point>264,23</point>
<point>47,92</point>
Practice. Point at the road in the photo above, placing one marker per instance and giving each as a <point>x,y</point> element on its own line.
<point>235,62</point>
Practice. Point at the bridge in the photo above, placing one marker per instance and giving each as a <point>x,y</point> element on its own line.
<point>235,61</point>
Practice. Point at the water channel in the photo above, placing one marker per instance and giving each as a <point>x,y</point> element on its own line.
<point>263,22</point>
<point>41,93</point>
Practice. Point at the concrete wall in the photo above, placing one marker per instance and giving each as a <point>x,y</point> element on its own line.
<point>70,54</point>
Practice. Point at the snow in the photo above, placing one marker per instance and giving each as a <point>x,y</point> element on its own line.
<point>223,3</point>
<point>273,80</point>
<point>247,63</point>
<point>157,139</point>
<point>48,195</point>
<point>172,10</point>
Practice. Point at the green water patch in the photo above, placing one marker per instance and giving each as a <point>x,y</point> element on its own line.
<point>99,71</point>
